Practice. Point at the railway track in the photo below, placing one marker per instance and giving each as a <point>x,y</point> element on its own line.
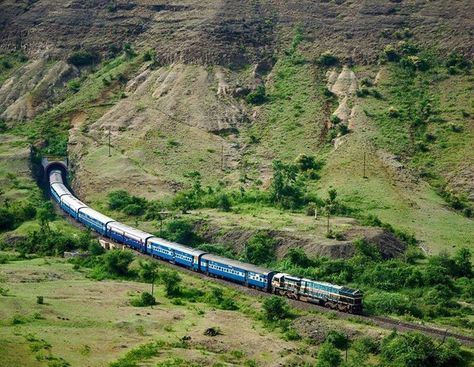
<point>380,321</point>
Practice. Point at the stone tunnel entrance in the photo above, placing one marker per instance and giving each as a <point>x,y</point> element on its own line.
<point>50,163</point>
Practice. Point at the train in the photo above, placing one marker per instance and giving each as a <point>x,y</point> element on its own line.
<point>321,293</point>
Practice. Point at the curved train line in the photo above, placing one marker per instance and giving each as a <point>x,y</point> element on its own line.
<point>302,292</point>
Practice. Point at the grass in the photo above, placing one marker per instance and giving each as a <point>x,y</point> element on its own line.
<point>291,119</point>
<point>397,197</point>
<point>65,321</point>
<point>9,63</point>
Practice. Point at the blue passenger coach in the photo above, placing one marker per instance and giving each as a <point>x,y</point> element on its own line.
<point>130,236</point>
<point>58,190</point>
<point>174,252</point>
<point>71,205</point>
<point>237,271</point>
<point>94,220</point>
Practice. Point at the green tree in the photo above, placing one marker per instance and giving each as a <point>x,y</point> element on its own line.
<point>462,261</point>
<point>117,261</point>
<point>328,356</point>
<point>45,214</point>
<point>330,205</point>
<point>95,248</point>
<point>275,308</point>
<point>286,190</point>
<point>147,270</point>
<point>224,202</point>
<point>260,249</point>
<point>412,349</point>
<point>297,256</point>
<point>172,282</point>
<point>7,219</point>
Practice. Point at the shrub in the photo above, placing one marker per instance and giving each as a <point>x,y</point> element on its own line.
<point>3,126</point>
<point>275,308</point>
<point>363,92</point>
<point>83,58</point>
<point>74,85</point>
<point>7,219</point>
<point>327,59</point>
<point>366,82</point>
<point>172,282</point>
<point>414,349</point>
<point>391,53</point>
<point>181,231</point>
<point>338,339</point>
<point>393,112</point>
<point>224,202</point>
<point>328,356</point>
<point>117,261</point>
<point>306,162</point>
<point>129,51</point>
<point>415,63</point>
<point>258,96</point>
<point>134,209</point>
<point>259,249</point>
<point>458,61</point>
<point>335,119</point>
<point>145,299</point>
<point>39,300</point>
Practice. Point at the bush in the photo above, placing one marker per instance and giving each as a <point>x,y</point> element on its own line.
<point>116,262</point>
<point>260,249</point>
<point>393,112</point>
<point>335,119</point>
<point>258,96</point>
<point>181,231</point>
<point>458,61</point>
<point>224,202</point>
<point>307,162</point>
<point>39,300</point>
<point>338,339</point>
<point>415,63</point>
<point>328,59</point>
<point>172,282</point>
<point>145,299</point>
<point>414,349</point>
<point>275,308</point>
<point>74,85</point>
<point>83,58</point>
<point>391,53</point>
<point>7,219</point>
<point>134,209</point>
<point>328,356</point>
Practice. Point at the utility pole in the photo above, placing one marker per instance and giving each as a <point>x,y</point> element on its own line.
<point>109,143</point>
<point>364,176</point>
<point>222,156</point>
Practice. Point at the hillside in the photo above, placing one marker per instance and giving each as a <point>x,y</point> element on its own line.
<point>330,139</point>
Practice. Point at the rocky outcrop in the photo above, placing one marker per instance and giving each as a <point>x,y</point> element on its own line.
<point>33,87</point>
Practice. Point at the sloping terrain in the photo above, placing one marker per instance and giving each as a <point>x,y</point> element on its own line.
<point>184,105</point>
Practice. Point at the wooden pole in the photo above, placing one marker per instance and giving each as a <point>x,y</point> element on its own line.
<point>222,157</point>
<point>109,142</point>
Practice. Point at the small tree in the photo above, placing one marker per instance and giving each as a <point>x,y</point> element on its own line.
<point>117,261</point>
<point>328,356</point>
<point>259,249</point>
<point>224,202</point>
<point>330,205</point>
<point>327,59</point>
<point>258,96</point>
<point>172,282</point>
<point>275,308</point>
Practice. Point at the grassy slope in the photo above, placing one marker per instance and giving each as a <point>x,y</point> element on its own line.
<point>89,320</point>
<point>398,197</point>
